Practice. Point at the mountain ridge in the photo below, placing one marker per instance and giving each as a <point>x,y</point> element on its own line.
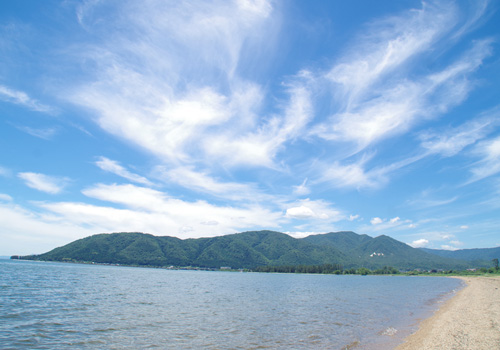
<point>472,254</point>
<point>251,249</point>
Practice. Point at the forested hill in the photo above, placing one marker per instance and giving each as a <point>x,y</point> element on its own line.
<point>383,250</point>
<point>250,250</point>
<point>473,255</point>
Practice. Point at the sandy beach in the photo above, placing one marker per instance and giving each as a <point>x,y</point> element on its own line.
<point>468,321</point>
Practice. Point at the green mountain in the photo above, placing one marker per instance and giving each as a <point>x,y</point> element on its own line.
<point>249,250</point>
<point>242,250</point>
<point>384,251</point>
<point>480,256</point>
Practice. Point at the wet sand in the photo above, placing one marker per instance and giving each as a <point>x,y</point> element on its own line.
<point>469,321</point>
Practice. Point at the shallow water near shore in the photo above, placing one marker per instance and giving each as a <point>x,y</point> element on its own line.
<point>66,306</point>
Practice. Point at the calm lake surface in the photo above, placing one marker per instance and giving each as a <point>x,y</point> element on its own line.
<point>72,306</point>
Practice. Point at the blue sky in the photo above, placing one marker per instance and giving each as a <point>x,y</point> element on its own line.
<point>203,118</point>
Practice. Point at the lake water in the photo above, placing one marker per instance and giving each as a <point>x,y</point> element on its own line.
<point>71,306</point>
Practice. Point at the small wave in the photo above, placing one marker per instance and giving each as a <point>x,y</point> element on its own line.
<point>352,345</point>
<point>101,330</point>
<point>391,331</point>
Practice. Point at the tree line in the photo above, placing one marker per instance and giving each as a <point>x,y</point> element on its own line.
<point>336,269</point>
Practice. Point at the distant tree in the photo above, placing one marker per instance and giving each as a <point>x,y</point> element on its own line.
<point>495,263</point>
<point>363,271</point>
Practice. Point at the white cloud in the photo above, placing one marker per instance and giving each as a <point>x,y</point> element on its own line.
<point>23,99</point>
<point>394,220</point>
<point>426,202</point>
<point>155,212</point>
<point>464,227</point>
<point>301,212</point>
<point>200,115</point>
<point>44,183</point>
<point>302,234</point>
<point>115,168</point>
<point>108,219</point>
<point>356,174</point>
<point>419,243</point>
<point>353,175</point>
<point>380,224</point>
<point>184,110</point>
<point>129,195</point>
<point>489,165</point>
<point>375,119</point>
<point>396,107</point>
<point>261,8</point>
<point>452,141</point>
<point>448,247</point>
<point>210,223</point>
<point>260,147</point>
<point>186,229</point>
<point>457,243</point>
<point>42,133</point>
<point>314,209</point>
<point>376,221</point>
<point>24,232</point>
<point>302,189</point>
<point>477,13</point>
<point>203,182</point>
<point>5,197</point>
<point>389,44</point>
<point>172,78</point>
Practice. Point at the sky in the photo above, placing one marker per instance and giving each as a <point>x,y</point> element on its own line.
<point>205,118</point>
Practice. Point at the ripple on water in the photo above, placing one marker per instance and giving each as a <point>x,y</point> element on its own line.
<point>71,306</point>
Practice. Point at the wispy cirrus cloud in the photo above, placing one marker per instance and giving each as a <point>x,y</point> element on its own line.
<point>203,182</point>
<point>302,189</point>
<point>259,148</point>
<point>5,197</point>
<point>42,133</point>
<point>166,104</point>
<point>195,115</point>
<point>225,102</point>
<point>385,46</point>
<point>44,183</point>
<point>395,106</point>
<point>352,175</point>
<point>380,93</point>
<point>23,99</point>
<point>451,141</point>
<point>359,174</point>
<point>489,163</point>
<point>114,167</point>
<point>426,202</point>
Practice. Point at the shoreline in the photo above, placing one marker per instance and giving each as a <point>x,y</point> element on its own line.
<point>470,320</point>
